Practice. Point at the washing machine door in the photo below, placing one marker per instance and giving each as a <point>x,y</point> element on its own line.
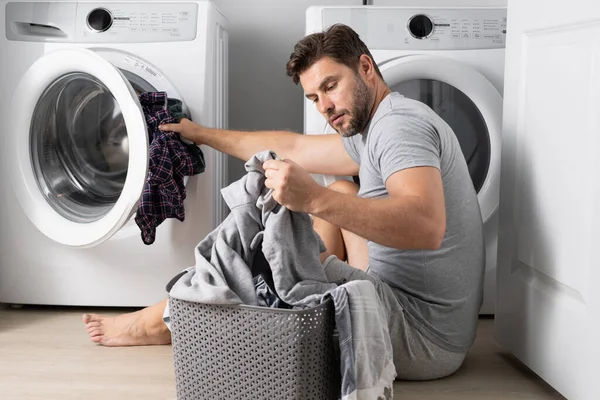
<point>468,102</point>
<point>78,148</point>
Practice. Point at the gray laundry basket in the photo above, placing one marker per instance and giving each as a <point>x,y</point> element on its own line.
<point>245,352</point>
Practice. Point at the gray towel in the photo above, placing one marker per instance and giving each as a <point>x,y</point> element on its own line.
<point>223,275</point>
<point>366,354</point>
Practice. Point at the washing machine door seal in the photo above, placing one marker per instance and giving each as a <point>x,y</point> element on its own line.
<point>87,210</point>
<point>476,88</point>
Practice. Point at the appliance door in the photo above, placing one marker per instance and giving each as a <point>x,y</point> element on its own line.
<point>467,101</point>
<point>79,150</point>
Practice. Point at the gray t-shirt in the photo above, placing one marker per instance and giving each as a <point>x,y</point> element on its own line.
<point>440,290</point>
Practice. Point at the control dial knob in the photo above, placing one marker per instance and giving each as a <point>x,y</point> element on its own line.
<point>99,20</point>
<point>420,26</point>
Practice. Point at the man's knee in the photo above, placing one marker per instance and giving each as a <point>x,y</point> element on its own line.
<point>344,187</point>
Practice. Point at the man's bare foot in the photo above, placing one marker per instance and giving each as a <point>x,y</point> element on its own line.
<point>140,328</point>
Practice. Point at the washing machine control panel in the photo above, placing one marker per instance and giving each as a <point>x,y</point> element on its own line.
<point>395,28</point>
<point>104,22</point>
<point>135,22</point>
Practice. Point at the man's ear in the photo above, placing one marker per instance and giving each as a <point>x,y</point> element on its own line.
<point>365,65</point>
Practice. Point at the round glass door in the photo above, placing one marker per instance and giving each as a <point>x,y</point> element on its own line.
<point>80,147</point>
<point>463,116</point>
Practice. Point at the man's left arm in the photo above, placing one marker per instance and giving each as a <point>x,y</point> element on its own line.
<point>412,217</point>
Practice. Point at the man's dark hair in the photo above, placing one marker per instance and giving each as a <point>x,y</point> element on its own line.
<point>339,43</point>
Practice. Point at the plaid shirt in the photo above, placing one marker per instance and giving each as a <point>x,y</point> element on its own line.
<point>170,161</point>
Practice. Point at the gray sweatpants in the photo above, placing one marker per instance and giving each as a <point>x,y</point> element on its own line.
<point>415,357</point>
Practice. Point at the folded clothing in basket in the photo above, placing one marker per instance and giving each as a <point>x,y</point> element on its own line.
<point>226,258</point>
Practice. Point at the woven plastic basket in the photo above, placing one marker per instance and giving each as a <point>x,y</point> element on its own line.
<point>245,352</point>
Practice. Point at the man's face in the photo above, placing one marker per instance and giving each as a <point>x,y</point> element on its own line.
<point>340,95</point>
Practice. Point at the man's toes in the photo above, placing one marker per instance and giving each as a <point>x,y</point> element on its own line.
<point>97,339</point>
<point>95,332</point>
<point>94,324</point>
<point>94,329</point>
<point>91,318</point>
<point>87,317</point>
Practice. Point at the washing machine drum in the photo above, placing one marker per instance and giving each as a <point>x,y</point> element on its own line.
<point>463,116</point>
<point>80,147</point>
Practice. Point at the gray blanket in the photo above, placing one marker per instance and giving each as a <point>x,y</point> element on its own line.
<point>223,275</point>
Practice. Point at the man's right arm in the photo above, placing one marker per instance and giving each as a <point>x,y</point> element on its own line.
<point>321,154</point>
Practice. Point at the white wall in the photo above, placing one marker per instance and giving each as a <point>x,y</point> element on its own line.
<point>262,35</point>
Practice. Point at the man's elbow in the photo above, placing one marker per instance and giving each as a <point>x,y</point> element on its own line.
<point>435,237</point>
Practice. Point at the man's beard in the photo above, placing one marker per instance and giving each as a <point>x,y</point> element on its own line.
<point>362,98</point>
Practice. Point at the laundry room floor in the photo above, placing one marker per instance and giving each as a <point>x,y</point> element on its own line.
<point>45,354</point>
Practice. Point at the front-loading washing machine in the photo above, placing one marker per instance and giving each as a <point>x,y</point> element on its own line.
<point>75,147</point>
<point>452,59</point>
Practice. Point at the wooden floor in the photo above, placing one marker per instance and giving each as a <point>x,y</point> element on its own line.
<point>45,354</point>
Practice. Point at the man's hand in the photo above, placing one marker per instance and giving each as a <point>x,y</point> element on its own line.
<point>186,128</point>
<point>292,186</point>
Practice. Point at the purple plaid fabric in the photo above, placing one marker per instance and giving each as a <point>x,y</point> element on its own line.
<point>170,161</point>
